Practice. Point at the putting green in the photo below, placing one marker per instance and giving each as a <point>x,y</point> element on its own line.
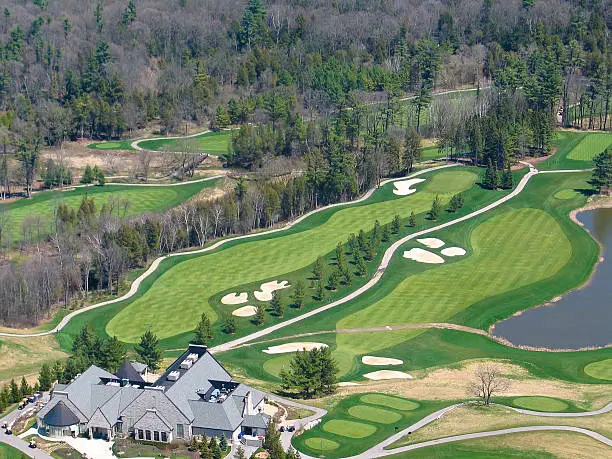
<point>107,145</point>
<point>392,402</point>
<point>185,288</point>
<point>589,147</point>
<point>450,182</point>
<point>274,365</point>
<point>600,370</point>
<point>567,193</point>
<point>210,142</point>
<point>540,404</point>
<point>350,429</point>
<point>372,414</point>
<point>321,444</point>
<point>503,252</point>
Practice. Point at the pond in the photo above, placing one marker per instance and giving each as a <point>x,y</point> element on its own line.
<point>581,318</point>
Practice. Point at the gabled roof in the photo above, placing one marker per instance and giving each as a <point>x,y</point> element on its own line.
<point>139,366</point>
<point>153,420</point>
<point>127,371</point>
<point>60,416</point>
<point>221,416</point>
<point>80,390</point>
<point>258,421</point>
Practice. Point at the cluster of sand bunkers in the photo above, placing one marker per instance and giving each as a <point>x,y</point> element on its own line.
<point>425,256</point>
<point>265,293</point>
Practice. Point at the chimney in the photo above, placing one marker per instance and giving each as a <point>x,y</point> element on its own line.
<point>249,403</point>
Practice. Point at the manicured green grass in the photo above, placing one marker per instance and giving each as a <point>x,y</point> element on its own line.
<point>212,142</point>
<point>355,426</point>
<point>139,199</point>
<point>112,145</point>
<point>349,429</point>
<point>8,452</point>
<point>450,180</point>
<point>370,413</point>
<point>186,289</point>
<point>600,370</point>
<point>575,150</point>
<point>430,153</point>
<point>567,194</point>
<point>389,401</point>
<point>536,403</point>
<point>501,259</point>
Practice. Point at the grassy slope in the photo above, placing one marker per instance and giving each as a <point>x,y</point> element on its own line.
<point>341,427</point>
<point>8,452</point>
<point>575,150</point>
<point>186,288</point>
<point>142,199</point>
<point>211,142</point>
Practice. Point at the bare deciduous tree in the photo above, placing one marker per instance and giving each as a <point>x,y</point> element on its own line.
<point>487,381</point>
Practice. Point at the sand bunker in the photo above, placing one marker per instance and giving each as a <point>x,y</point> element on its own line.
<point>423,256</point>
<point>453,252</point>
<point>347,384</point>
<point>265,290</point>
<point>402,188</point>
<point>294,347</point>
<point>431,242</point>
<point>371,360</point>
<point>387,374</point>
<point>245,311</point>
<point>235,298</point>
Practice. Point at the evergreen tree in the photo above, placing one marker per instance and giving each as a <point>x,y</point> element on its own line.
<point>507,181</point>
<point>456,202</point>
<point>298,295</point>
<point>317,271</point>
<point>362,267</point>
<point>436,208</point>
<point>347,278</point>
<point>240,454</point>
<point>395,224</point>
<point>412,220</point>
<point>332,281</point>
<point>376,234</point>
<point>412,149</point>
<point>386,233</point>
<point>223,443</point>
<point>203,331</point>
<point>320,294</point>
<point>362,240</point>
<point>352,242</point>
<point>24,388</point>
<point>228,324</point>
<point>260,315</point>
<point>602,173</point>
<point>491,177</point>
<point>148,350</point>
<point>311,373</point>
<point>45,378</point>
<point>222,118</point>
<point>272,442</point>
<point>340,256</point>
<point>115,354</point>
<point>276,304</point>
<point>15,394</point>
<point>370,249</point>
<point>215,451</point>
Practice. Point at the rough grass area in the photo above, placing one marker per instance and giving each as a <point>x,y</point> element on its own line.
<point>215,143</point>
<point>540,404</point>
<point>530,445</point>
<point>575,150</point>
<point>355,425</point>
<point>389,401</point>
<point>8,452</point>
<point>600,370</point>
<point>186,288</point>
<point>125,200</point>
<point>19,356</point>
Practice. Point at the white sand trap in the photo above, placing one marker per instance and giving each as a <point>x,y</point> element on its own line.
<point>453,252</point>
<point>347,384</point>
<point>423,256</point>
<point>294,347</point>
<point>245,311</point>
<point>402,188</point>
<point>265,290</point>
<point>387,374</point>
<point>371,360</point>
<point>235,298</point>
<point>431,242</point>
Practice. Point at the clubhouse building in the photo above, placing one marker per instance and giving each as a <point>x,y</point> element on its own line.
<point>195,396</point>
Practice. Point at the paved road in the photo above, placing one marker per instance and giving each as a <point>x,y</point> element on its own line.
<point>17,442</point>
<point>136,284</point>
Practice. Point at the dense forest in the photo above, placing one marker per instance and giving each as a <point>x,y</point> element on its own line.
<point>342,88</point>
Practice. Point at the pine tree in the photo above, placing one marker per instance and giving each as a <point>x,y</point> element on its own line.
<point>24,388</point>
<point>362,240</point>
<point>352,242</point>
<point>370,249</point>
<point>276,304</point>
<point>320,291</point>
<point>45,378</point>
<point>602,173</point>
<point>203,331</point>
<point>223,443</point>
<point>240,454</point>
<point>362,267</point>
<point>298,295</point>
<point>347,278</point>
<point>229,324</point>
<point>386,233</point>
<point>395,224</point>
<point>272,442</point>
<point>340,256</point>
<point>317,271</point>
<point>456,202</point>
<point>412,220</point>
<point>88,176</point>
<point>222,119</point>
<point>491,177</point>
<point>260,315</point>
<point>148,350</point>
<point>215,451</point>
<point>332,281</point>
<point>436,208</point>
<point>507,181</point>
<point>114,354</point>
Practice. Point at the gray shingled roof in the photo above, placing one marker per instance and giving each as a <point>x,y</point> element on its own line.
<point>259,421</point>
<point>222,416</point>
<point>60,416</point>
<point>127,371</point>
<point>139,366</point>
<point>80,390</point>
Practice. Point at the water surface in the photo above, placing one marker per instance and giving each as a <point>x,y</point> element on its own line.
<point>581,318</point>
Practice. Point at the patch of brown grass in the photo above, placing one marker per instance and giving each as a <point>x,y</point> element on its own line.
<point>24,356</point>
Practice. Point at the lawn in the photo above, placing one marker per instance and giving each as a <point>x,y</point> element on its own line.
<point>358,422</point>
<point>126,200</point>
<point>215,143</point>
<point>600,370</point>
<point>112,145</point>
<point>8,452</point>
<point>196,284</point>
<point>576,150</point>
<point>530,445</point>
<point>535,403</point>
